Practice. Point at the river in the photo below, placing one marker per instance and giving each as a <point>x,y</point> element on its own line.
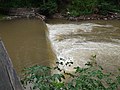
<point>27,42</point>
<point>78,41</point>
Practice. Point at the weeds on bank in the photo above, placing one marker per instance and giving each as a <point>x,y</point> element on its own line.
<point>90,78</point>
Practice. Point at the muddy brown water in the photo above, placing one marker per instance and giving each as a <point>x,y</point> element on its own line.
<point>27,43</point>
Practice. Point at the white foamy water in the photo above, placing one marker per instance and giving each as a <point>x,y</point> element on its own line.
<point>77,48</point>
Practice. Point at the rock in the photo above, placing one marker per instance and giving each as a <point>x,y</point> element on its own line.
<point>105,19</point>
<point>42,17</point>
<point>7,18</point>
<point>71,18</point>
<point>58,16</point>
<point>81,17</point>
<point>24,13</point>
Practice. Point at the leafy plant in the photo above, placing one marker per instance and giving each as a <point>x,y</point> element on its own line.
<point>82,7</point>
<point>75,7</point>
<point>90,78</point>
<point>106,7</point>
<point>48,8</point>
<point>41,78</point>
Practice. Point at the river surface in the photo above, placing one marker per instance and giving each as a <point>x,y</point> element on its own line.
<point>27,43</point>
<point>78,41</point>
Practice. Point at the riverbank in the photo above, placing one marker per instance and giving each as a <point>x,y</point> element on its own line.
<point>110,16</point>
<point>2,16</point>
<point>115,16</point>
<point>18,13</point>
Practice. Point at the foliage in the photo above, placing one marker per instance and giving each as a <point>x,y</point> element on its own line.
<point>90,78</point>
<point>41,78</point>
<point>82,7</point>
<point>49,7</point>
<point>2,16</point>
<point>15,3</point>
<point>75,7</point>
<point>107,6</point>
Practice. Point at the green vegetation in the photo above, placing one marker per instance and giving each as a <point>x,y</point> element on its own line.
<point>80,7</point>
<point>48,8</point>
<point>84,7</point>
<point>92,77</point>
<point>75,7</point>
<point>106,6</point>
<point>1,16</point>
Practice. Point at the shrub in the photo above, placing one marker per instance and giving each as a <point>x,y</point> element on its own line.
<point>48,8</point>
<point>106,7</point>
<point>90,78</point>
<point>82,7</point>
<point>75,7</point>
